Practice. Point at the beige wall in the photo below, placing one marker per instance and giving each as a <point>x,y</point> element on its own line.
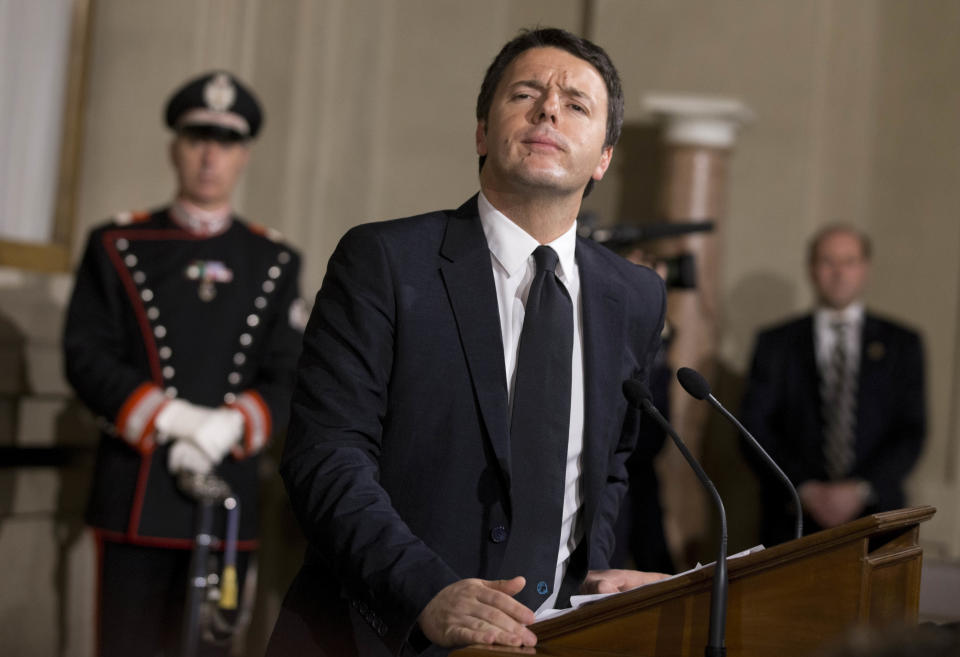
<point>858,106</point>
<point>369,114</point>
<point>369,105</point>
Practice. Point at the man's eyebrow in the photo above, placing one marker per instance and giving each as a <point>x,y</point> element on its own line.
<point>574,92</point>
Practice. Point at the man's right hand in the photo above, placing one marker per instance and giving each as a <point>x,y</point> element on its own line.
<point>184,456</point>
<point>478,611</point>
<point>179,419</point>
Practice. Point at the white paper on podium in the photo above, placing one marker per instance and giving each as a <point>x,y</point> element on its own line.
<point>577,601</point>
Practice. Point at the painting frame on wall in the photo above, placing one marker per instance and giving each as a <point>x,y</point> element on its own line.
<point>53,254</point>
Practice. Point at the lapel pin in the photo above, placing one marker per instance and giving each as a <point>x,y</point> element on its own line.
<point>876,350</point>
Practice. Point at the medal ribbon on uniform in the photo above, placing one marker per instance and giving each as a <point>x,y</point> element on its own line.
<point>208,272</point>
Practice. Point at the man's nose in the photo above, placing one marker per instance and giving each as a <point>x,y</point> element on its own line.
<point>549,108</point>
<point>211,150</point>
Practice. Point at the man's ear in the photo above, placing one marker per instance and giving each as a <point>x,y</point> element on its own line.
<point>481,137</point>
<point>605,156</point>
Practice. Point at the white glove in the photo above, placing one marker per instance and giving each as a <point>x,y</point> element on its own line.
<point>179,419</point>
<point>184,456</point>
<point>221,430</point>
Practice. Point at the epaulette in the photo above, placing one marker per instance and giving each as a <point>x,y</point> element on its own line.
<point>130,217</point>
<point>270,233</point>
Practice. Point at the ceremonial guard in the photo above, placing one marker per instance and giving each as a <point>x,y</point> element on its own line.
<point>182,336</point>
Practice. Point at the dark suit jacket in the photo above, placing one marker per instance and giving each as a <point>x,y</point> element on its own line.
<point>397,458</point>
<point>782,407</point>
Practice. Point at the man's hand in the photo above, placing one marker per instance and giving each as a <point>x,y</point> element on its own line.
<point>179,419</point>
<point>478,611</point>
<point>834,503</point>
<point>221,429</point>
<point>184,456</point>
<point>615,581</point>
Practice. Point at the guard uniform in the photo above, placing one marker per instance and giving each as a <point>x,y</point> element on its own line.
<point>173,305</point>
<point>159,313</point>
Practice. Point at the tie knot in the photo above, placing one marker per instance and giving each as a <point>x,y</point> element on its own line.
<point>546,259</point>
<point>839,327</point>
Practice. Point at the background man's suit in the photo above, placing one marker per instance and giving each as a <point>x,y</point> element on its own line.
<point>782,407</point>
<point>397,456</point>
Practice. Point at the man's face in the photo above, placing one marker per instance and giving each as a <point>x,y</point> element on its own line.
<point>839,270</point>
<point>207,170</point>
<point>546,126</point>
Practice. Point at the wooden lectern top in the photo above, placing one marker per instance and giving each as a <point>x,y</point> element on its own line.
<point>786,600</point>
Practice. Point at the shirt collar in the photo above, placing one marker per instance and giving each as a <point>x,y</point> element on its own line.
<point>511,245</point>
<point>198,221</point>
<point>851,315</point>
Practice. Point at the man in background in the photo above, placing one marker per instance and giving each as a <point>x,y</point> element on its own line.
<point>181,336</point>
<point>458,436</point>
<point>836,397</point>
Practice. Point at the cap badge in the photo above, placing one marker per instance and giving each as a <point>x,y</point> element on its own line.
<point>208,272</point>
<point>219,93</point>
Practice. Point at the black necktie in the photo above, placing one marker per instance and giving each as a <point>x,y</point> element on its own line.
<point>539,429</point>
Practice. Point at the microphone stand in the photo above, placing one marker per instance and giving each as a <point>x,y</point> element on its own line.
<point>637,391</point>
<point>798,528</point>
<point>698,388</point>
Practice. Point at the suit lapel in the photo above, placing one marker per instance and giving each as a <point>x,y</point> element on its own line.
<point>466,271</point>
<point>810,372</point>
<point>807,347</point>
<point>873,352</point>
<point>602,302</point>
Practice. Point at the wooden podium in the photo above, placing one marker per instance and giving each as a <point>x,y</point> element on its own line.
<point>785,600</point>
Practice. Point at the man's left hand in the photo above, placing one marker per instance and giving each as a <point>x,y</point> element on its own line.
<point>220,430</point>
<point>615,581</point>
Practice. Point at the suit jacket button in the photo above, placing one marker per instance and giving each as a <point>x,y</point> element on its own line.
<point>498,534</point>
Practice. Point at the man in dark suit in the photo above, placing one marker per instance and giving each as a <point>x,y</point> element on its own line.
<point>435,474</point>
<point>836,397</point>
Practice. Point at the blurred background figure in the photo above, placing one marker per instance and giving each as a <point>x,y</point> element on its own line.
<point>641,542</point>
<point>181,336</point>
<point>836,397</point>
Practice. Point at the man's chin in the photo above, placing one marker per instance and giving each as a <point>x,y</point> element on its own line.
<point>549,180</point>
<point>206,197</point>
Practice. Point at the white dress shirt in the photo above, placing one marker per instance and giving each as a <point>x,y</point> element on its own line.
<point>511,256</point>
<point>825,336</point>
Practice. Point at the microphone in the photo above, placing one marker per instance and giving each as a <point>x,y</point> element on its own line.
<point>697,386</point>
<point>639,396</point>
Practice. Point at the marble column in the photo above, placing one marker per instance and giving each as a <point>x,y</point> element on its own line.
<point>699,134</point>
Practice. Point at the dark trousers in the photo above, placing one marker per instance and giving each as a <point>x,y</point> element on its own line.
<point>142,600</point>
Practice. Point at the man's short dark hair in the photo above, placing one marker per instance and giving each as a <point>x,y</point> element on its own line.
<point>549,37</point>
<point>813,246</point>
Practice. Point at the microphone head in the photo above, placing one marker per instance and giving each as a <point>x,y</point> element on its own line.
<point>636,392</point>
<point>693,382</point>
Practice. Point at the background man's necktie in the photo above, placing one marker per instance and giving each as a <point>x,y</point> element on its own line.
<point>839,406</point>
